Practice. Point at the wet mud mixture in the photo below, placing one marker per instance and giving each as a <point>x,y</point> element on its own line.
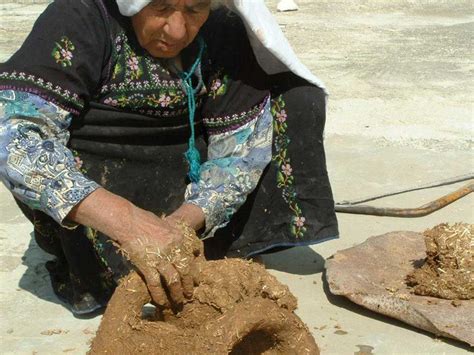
<point>237,308</point>
<point>448,270</point>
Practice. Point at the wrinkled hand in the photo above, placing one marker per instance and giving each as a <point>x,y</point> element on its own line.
<point>167,254</point>
<point>165,251</point>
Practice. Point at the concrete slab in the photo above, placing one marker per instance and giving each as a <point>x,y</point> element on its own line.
<point>398,71</point>
<point>400,114</point>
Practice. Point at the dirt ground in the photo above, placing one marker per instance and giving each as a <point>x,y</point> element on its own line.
<point>400,74</point>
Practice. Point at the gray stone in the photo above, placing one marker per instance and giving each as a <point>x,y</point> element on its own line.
<point>373,274</point>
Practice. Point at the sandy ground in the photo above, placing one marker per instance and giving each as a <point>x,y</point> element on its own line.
<point>397,71</point>
<point>400,74</point>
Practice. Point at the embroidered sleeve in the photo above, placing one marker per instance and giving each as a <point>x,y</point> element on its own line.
<point>237,156</point>
<point>35,164</point>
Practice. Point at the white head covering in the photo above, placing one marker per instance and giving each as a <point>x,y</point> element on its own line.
<point>271,48</point>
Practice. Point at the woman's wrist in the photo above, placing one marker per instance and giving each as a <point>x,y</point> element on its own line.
<point>190,214</point>
<point>117,217</point>
<point>105,212</point>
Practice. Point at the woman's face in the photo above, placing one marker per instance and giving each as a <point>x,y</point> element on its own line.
<point>165,27</point>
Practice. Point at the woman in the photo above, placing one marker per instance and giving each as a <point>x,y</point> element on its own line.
<point>114,112</point>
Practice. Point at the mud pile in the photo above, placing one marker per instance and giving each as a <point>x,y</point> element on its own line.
<point>448,270</point>
<point>237,308</point>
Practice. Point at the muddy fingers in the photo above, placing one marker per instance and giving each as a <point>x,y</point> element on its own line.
<point>155,287</point>
<point>166,262</point>
<point>172,281</point>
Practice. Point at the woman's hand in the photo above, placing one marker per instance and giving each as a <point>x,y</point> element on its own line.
<point>167,254</point>
<point>165,251</point>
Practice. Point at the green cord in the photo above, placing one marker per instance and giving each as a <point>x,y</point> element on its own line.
<point>192,154</point>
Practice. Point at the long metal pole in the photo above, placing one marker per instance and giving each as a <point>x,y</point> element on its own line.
<point>421,211</point>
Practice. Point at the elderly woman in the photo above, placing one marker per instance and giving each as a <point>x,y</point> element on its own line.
<point>115,113</point>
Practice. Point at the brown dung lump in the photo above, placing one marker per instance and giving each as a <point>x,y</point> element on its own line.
<point>237,308</point>
<point>448,270</point>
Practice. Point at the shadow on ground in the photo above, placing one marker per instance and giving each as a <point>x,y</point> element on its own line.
<point>297,261</point>
<point>36,278</point>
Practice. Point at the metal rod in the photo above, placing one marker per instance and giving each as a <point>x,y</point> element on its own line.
<point>444,182</point>
<point>409,212</point>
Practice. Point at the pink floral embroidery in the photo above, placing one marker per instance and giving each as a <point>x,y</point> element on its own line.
<point>287,169</point>
<point>62,52</point>
<point>67,55</point>
<point>111,102</point>
<point>216,85</point>
<point>285,178</point>
<point>219,87</point>
<point>281,116</point>
<point>133,63</point>
<point>299,221</point>
<point>79,162</point>
<point>139,84</point>
<point>164,100</point>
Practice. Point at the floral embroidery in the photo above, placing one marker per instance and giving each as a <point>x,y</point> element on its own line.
<point>286,169</point>
<point>62,52</point>
<point>64,94</point>
<point>281,116</point>
<point>219,87</point>
<point>285,178</point>
<point>216,125</point>
<point>159,102</point>
<point>137,84</point>
<point>78,162</point>
<point>299,221</point>
<point>134,67</point>
<point>127,62</point>
<point>111,102</point>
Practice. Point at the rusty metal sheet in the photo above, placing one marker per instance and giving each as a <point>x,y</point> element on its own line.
<point>373,273</point>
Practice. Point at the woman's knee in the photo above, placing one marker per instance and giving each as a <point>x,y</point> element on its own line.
<point>302,105</point>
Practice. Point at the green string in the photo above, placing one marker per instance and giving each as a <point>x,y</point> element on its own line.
<point>192,154</point>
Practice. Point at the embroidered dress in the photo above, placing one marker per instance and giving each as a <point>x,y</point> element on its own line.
<point>94,109</point>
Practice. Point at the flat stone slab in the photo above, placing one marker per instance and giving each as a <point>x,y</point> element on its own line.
<point>373,273</point>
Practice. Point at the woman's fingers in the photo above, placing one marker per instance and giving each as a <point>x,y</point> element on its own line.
<point>163,252</point>
<point>184,270</point>
<point>173,282</point>
<point>157,292</point>
<point>178,281</point>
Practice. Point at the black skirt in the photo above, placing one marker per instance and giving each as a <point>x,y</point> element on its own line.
<point>291,206</point>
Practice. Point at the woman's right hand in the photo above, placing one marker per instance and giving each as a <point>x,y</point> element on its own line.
<point>167,254</point>
<point>165,251</point>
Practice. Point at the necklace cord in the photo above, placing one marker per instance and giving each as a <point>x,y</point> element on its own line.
<point>192,154</point>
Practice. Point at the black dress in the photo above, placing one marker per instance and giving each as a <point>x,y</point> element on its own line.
<point>133,146</point>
